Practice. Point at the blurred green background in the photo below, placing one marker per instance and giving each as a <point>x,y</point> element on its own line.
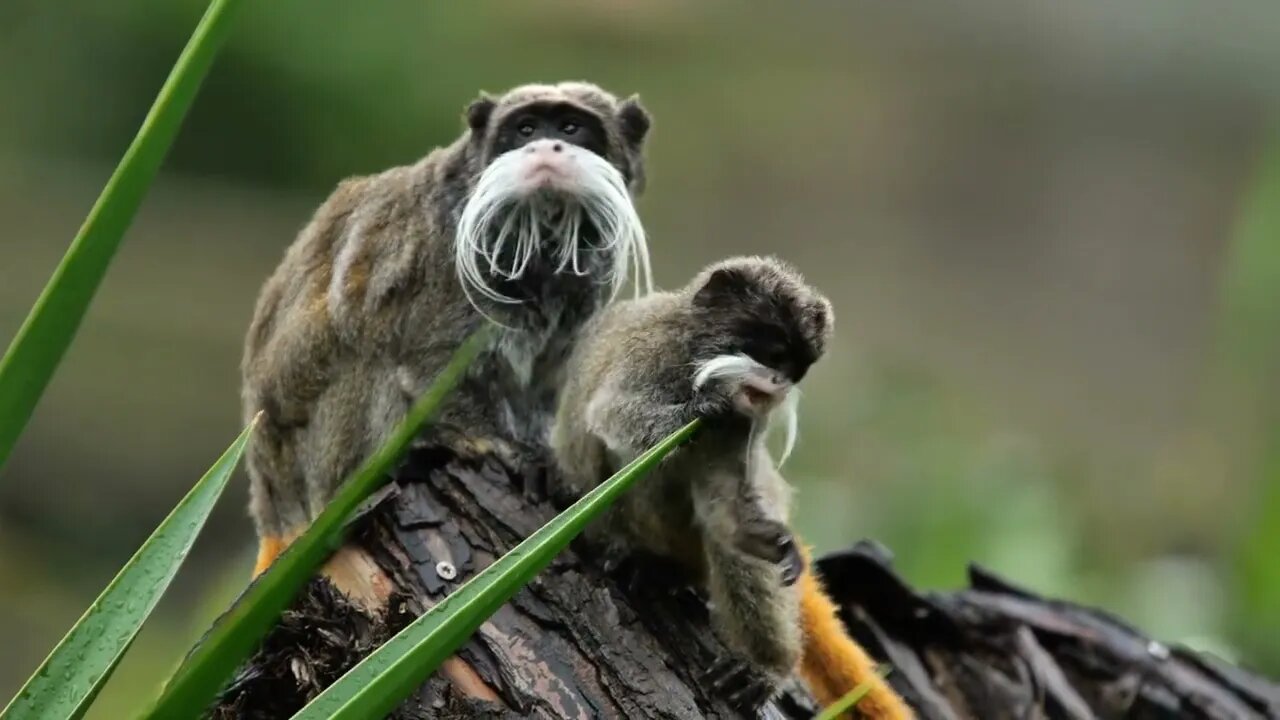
<point>1051,232</point>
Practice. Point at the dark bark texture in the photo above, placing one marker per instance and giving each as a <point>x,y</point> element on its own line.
<point>580,642</point>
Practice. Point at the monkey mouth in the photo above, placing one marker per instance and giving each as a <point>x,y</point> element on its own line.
<point>763,393</point>
<point>545,167</point>
<point>546,176</point>
<point>757,396</point>
<point>760,392</point>
<point>575,212</point>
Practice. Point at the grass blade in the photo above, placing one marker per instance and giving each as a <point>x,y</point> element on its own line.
<point>1248,353</point>
<point>67,681</point>
<point>43,339</point>
<point>237,633</point>
<point>383,679</point>
<point>844,704</point>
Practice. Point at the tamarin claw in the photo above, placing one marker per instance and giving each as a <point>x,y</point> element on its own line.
<point>738,682</point>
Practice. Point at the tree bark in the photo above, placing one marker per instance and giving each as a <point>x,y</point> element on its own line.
<point>579,642</point>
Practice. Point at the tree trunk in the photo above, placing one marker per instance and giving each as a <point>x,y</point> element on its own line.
<point>578,642</point>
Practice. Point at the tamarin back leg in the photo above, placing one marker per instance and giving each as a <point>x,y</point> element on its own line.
<point>277,490</point>
<point>338,436</point>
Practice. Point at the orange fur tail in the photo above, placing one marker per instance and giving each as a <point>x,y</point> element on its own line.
<point>269,548</point>
<point>833,663</point>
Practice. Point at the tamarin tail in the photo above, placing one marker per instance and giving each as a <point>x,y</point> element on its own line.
<point>269,548</point>
<point>833,663</point>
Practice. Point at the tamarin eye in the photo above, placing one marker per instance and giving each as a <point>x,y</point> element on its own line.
<point>525,129</point>
<point>569,127</point>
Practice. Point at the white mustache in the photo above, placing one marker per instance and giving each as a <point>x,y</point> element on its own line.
<point>530,220</point>
<point>739,365</point>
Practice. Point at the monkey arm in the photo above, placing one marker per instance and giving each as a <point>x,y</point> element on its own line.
<point>746,513</point>
<point>630,420</point>
<point>631,416</point>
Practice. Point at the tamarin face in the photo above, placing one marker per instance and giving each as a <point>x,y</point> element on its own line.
<point>560,166</point>
<point>757,329</point>
<point>552,137</point>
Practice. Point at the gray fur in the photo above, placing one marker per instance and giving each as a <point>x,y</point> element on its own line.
<point>630,382</point>
<point>366,308</point>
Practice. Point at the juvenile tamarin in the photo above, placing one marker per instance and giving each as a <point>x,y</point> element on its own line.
<point>728,348</point>
<point>526,219</point>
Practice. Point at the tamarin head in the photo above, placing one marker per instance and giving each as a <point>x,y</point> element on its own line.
<point>556,168</point>
<point>758,328</point>
<point>762,308</point>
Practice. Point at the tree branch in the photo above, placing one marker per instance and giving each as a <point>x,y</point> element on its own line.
<point>582,643</point>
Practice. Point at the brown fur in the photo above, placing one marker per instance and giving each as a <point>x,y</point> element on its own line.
<point>366,308</point>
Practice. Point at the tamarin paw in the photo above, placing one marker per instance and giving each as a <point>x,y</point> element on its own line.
<point>473,448</point>
<point>626,572</point>
<point>642,575</point>
<point>772,541</point>
<point>742,684</point>
<point>518,458</point>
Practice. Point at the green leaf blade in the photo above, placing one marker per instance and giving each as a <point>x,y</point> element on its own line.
<point>68,680</point>
<point>237,633</point>
<point>383,679</point>
<point>45,335</point>
<point>851,698</point>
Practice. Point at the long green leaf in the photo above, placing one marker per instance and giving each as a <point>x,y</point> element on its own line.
<point>238,631</point>
<point>42,340</point>
<point>67,681</point>
<point>1248,353</point>
<point>851,698</point>
<point>383,679</point>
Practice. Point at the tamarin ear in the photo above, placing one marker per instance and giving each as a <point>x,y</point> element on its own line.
<point>821,320</point>
<point>723,285</point>
<point>479,112</point>
<point>634,121</point>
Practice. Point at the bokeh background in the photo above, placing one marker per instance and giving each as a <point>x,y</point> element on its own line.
<point>1051,232</point>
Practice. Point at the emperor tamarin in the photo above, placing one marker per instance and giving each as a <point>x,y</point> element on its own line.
<point>728,348</point>
<point>525,220</point>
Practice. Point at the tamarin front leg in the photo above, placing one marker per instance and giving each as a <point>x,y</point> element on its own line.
<point>753,609</point>
<point>768,539</point>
